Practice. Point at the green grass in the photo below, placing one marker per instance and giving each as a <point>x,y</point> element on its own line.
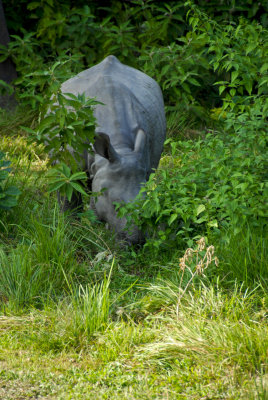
<point>81,318</point>
<point>194,355</point>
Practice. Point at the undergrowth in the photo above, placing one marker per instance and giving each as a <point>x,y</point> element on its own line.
<point>90,319</point>
<point>185,316</point>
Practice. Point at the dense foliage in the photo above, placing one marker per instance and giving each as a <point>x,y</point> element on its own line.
<point>168,41</point>
<point>221,179</point>
<point>212,68</point>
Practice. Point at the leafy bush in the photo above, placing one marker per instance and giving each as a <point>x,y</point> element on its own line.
<point>69,125</point>
<point>177,44</point>
<point>209,184</point>
<point>65,34</point>
<point>220,179</point>
<point>35,84</point>
<point>66,129</point>
<point>8,193</point>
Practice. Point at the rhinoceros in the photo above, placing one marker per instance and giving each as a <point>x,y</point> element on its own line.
<point>130,133</point>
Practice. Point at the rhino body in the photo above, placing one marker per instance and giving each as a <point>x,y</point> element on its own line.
<point>130,133</point>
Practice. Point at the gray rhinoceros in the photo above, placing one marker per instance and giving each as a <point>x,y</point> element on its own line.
<point>130,133</point>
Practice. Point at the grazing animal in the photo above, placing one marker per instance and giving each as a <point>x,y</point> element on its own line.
<point>130,133</point>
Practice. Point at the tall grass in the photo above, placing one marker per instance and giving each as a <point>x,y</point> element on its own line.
<point>244,257</point>
<point>88,312</point>
<point>34,269</point>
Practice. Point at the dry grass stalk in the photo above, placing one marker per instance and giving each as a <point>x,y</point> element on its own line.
<point>200,262</point>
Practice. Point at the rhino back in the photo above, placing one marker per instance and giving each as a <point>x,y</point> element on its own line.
<point>132,100</point>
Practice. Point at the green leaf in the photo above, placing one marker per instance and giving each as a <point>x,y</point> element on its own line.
<point>248,86</point>
<point>264,68</point>
<point>61,120</point>
<point>29,130</point>
<point>78,176</point>
<point>221,89</point>
<point>172,218</point>
<point>55,186</point>
<point>200,209</point>
<point>263,81</point>
<point>33,5</point>
<point>232,92</point>
<point>54,66</point>
<point>69,192</point>
<point>234,75</point>
<point>251,47</point>
<point>12,191</point>
<point>66,170</point>
<point>194,82</point>
<point>165,69</point>
<point>242,186</point>
<point>46,122</point>
<point>78,187</point>
<point>213,224</point>
<point>3,57</point>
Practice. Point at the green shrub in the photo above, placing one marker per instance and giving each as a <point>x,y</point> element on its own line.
<point>219,182</point>
<point>179,45</point>
<point>66,129</point>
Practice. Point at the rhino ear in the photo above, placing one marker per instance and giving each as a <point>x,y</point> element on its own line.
<point>140,141</point>
<point>103,147</point>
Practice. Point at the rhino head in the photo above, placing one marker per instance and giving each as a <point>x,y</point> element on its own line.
<point>121,174</point>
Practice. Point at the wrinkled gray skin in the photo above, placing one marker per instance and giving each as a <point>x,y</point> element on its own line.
<point>130,130</point>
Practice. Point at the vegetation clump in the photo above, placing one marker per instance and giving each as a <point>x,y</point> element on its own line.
<point>178,318</point>
<point>8,193</point>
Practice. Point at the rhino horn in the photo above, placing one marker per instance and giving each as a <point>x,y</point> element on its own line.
<point>140,141</point>
<point>104,148</point>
